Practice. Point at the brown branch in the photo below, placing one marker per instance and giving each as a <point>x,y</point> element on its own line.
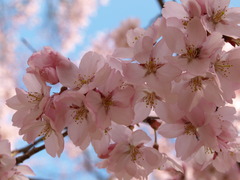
<point>33,151</point>
<point>27,155</point>
<point>27,148</point>
<point>161,3</point>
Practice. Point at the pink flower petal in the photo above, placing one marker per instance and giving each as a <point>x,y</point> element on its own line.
<point>171,130</point>
<point>139,137</point>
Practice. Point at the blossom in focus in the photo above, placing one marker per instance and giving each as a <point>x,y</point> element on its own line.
<point>220,18</point>
<point>194,52</point>
<point>112,102</point>
<point>77,117</point>
<point>44,62</point>
<point>29,105</point>
<point>92,72</point>
<point>131,158</point>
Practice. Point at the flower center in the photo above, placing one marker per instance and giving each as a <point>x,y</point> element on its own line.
<point>79,113</point>
<point>191,53</point>
<point>190,129</point>
<point>34,97</point>
<point>185,21</point>
<point>46,131</point>
<point>150,99</point>
<point>83,80</point>
<point>107,102</point>
<point>196,83</point>
<point>151,66</point>
<point>208,150</point>
<point>218,16</point>
<point>134,152</point>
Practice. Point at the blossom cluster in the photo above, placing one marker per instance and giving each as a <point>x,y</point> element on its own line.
<point>177,68</point>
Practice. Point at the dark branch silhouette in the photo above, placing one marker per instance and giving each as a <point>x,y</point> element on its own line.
<point>29,151</point>
<point>28,45</point>
<point>161,3</point>
<point>27,155</point>
<point>27,148</point>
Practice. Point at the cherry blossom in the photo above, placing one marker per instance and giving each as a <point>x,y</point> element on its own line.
<point>112,102</point>
<point>77,117</point>
<point>226,67</point>
<point>131,158</point>
<point>186,130</point>
<point>221,19</point>
<point>53,139</point>
<point>151,67</point>
<point>92,72</point>
<point>179,15</point>
<point>44,64</point>
<point>194,52</point>
<point>197,88</point>
<point>29,105</point>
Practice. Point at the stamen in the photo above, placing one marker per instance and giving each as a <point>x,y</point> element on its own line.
<point>136,38</point>
<point>196,83</point>
<point>34,97</point>
<point>107,130</point>
<point>83,80</point>
<point>223,67</point>
<point>190,129</point>
<point>151,66</point>
<point>208,150</point>
<point>218,16</point>
<point>150,99</point>
<point>185,21</point>
<point>192,53</point>
<point>46,131</point>
<point>79,113</point>
<point>134,152</point>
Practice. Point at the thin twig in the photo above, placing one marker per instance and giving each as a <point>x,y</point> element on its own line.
<point>27,155</point>
<point>155,145</point>
<point>161,3</point>
<point>28,45</point>
<point>155,136</point>
<point>33,151</point>
<point>90,167</point>
<point>27,148</point>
